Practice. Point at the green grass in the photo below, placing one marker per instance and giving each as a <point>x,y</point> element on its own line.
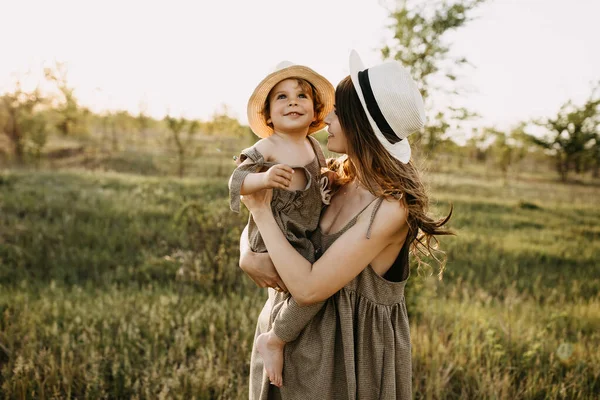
<point>120,285</point>
<point>150,342</point>
<point>76,227</point>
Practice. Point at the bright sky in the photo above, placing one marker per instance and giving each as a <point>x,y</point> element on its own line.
<point>193,57</point>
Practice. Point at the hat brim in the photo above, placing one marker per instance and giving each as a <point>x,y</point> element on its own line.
<point>400,150</point>
<point>257,100</point>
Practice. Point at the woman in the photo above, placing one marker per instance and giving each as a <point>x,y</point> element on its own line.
<point>358,345</point>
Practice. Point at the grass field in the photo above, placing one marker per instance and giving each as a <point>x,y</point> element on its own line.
<point>118,285</point>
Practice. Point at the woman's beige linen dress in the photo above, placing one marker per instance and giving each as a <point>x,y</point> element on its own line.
<point>356,347</point>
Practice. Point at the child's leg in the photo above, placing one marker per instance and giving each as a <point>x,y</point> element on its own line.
<point>290,320</point>
<point>270,347</point>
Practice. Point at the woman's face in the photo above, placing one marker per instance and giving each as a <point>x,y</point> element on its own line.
<point>336,140</point>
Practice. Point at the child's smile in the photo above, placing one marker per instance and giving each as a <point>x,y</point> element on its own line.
<point>291,108</point>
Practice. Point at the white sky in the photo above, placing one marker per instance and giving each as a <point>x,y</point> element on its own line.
<point>192,57</point>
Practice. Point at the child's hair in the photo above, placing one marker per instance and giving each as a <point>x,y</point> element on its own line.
<point>383,175</point>
<point>309,89</point>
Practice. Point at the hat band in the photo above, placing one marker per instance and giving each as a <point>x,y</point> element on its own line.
<point>373,108</point>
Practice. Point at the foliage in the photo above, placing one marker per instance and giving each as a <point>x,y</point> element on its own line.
<point>70,117</point>
<point>122,124</point>
<point>143,123</point>
<point>573,136</point>
<point>107,290</point>
<point>177,126</point>
<point>37,136</point>
<point>124,343</point>
<point>20,120</point>
<point>99,228</point>
<point>222,123</point>
<point>419,42</point>
<point>420,30</point>
<point>211,231</point>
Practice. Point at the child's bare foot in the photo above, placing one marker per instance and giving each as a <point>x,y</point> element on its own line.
<point>270,348</point>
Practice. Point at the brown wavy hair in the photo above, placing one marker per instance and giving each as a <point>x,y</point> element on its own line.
<point>309,89</point>
<point>383,175</point>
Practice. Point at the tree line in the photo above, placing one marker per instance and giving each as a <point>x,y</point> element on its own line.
<point>571,138</point>
<point>28,118</point>
<point>420,40</point>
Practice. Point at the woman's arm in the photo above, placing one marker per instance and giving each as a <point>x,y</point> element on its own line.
<point>258,266</point>
<point>344,260</point>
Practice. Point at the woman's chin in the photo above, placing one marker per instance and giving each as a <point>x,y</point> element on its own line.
<point>335,149</point>
<point>330,146</point>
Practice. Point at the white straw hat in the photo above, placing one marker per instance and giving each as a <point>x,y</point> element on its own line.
<point>392,102</point>
<point>285,70</point>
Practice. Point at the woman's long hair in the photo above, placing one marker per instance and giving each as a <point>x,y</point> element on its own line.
<point>383,175</point>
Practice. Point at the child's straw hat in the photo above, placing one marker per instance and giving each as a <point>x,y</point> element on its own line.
<point>285,70</point>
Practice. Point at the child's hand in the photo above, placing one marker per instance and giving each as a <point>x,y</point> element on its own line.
<point>239,159</point>
<point>278,176</point>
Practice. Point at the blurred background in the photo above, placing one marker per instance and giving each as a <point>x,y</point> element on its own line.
<point>119,256</point>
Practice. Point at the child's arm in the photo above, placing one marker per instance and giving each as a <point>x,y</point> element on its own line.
<point>291,318</point>
<point>278,176</point>
<point>250,175</point>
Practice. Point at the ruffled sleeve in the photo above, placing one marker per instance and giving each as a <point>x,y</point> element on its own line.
<point>252,161</point>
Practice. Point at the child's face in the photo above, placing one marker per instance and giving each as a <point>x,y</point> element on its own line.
<point>291,107</point>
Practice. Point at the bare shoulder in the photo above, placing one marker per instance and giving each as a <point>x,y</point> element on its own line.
<point>390,219</point>
<point>266,147</point>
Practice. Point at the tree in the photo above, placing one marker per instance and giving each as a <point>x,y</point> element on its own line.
<point>435,131</point>
<point>477,145</point>
<point>106,126</point>
<point>177,126</point>
<point>37,136</point>
<point>507,149</point>
<point>595,156</point>
<point>70,116</point>
<point>420,29</point>
<point>224,124</point>
<point>573,136</point>
<point>122,123</point>
<point>143,123</point>
<point>19,119</point>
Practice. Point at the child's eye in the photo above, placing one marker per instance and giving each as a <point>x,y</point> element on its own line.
<point>303,95</point>
<point>280,96</point>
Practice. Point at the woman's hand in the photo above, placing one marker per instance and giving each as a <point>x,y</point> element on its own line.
<point>258,266</point>
<point>258,201</point>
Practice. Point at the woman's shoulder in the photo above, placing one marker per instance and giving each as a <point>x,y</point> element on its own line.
<point>387,217</point>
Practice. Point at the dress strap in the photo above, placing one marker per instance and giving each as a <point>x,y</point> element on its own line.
<point>377,205</point>
<point>318,151</point>
<point>350,223</point>
<point>355,218</point>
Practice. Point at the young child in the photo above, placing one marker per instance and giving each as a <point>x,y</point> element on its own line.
<point>285,108</point>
